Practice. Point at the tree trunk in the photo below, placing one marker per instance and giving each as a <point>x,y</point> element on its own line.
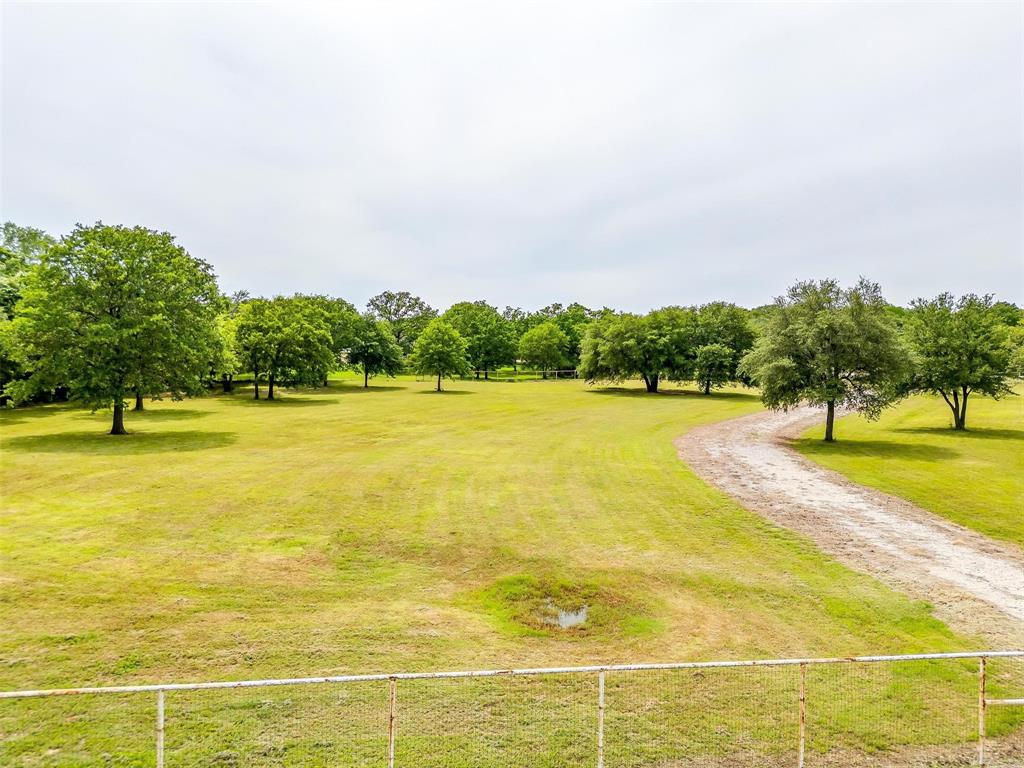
<point>270,387</point>
<point>256,385</point>
<point>544,374</point>
<point>955,405</point>
<point>960,420</point>
<point>438,381</point>
<point>478,373</point>
<point>486,372</point>
<point>225,383</point>
<point>138,402</point>
<point>651,382</point>
<point>366,378</point>
<point>830,420</point>
<point>707,387</point>
<point>117,428</point>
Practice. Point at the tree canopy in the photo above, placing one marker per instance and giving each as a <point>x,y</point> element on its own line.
<point>374,350</point>
<point>110,311</point>
<point>489,339</point>
<point>544,347</point>
<point>287,340</point>
<point>20,249</point>
<point>829,346</point>
<point>727,325</point>
<point>652,347</point>
<point>714,365</point>
<point>407,315</point>
<point>440,350</point>
<point>960,348</point>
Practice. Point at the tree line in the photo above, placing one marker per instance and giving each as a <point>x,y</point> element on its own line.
<point>107,314</point>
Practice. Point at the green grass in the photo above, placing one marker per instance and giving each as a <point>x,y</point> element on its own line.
<point>973,478</point>
<point>344,530</point>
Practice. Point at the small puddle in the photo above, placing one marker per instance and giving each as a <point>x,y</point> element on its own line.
<point>564,619</point>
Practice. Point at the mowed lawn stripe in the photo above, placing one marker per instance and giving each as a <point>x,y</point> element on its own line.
<point>343,530</point>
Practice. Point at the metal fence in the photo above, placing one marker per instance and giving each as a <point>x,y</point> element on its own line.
<point>924,709</point>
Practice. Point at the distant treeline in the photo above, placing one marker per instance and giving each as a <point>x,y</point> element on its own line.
<point>110,314</point>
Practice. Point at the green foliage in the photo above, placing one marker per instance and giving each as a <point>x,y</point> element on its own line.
<point>1007,313</point>
<point>440,350</point>
<point>489,339</point>
<point>960,347</point>
<point>1015,350</point>
<point>342,322</point>
<point>374,349</point>
<point>115,310</point>
<point>20,248</point>
<point>518,320</point>
<point>573,321</point>
<point>714,366</point>
<point>720,322</point>
<point>829,346</point>
<point>543,346</point>
<point>286,339</point>
<point>408,315</point>
<point>655,346</point>
<point>226,361</point>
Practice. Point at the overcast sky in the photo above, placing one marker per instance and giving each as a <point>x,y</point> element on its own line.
<point>629,155</point>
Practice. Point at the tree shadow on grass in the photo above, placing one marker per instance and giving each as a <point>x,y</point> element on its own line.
<point>287,401</point>
<point>353,390</point>
<point>968,434</point>
<point>31,413</point>
<point>97,442</point>
<point>642,393</point>
<point>883,449</point>
<point>163,414</point>
<point>446,392</point>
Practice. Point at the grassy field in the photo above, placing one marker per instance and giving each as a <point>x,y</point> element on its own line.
<point>973,478</point>
<point>344,530</point>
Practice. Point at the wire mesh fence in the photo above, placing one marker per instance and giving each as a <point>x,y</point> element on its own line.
<point>925,710</point>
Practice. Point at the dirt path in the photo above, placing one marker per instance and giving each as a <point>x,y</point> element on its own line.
<point>976,584</point>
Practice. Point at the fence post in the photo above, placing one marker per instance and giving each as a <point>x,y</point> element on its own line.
<point>159,729</point>
<point>981,711</point>
<point>803,715</point>
<point>600,720</point>
<point>392,697</point>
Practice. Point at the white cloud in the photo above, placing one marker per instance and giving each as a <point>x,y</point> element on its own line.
<point>632,155</point>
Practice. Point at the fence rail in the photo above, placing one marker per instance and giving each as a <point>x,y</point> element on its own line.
<point>602,708</point>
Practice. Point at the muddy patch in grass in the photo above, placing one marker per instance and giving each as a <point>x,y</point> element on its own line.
<point>527,604</point>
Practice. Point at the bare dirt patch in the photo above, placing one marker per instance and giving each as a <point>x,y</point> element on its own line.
<point>976,584</point>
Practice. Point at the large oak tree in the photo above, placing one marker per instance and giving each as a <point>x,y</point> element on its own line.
<point>544,347</point>
<point>440,350</point>
<point>285,339</point>
<point>656,346</point>
<point>826,345</point>
<point>407,315</point>
<point>112,311</point>
<point>721,324</point>
<point>374,349</point>
<point>490,339</point>
<point>960,348</point>
<point>20,249</point>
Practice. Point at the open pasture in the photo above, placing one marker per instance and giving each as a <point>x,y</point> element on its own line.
<point>347,530</point>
